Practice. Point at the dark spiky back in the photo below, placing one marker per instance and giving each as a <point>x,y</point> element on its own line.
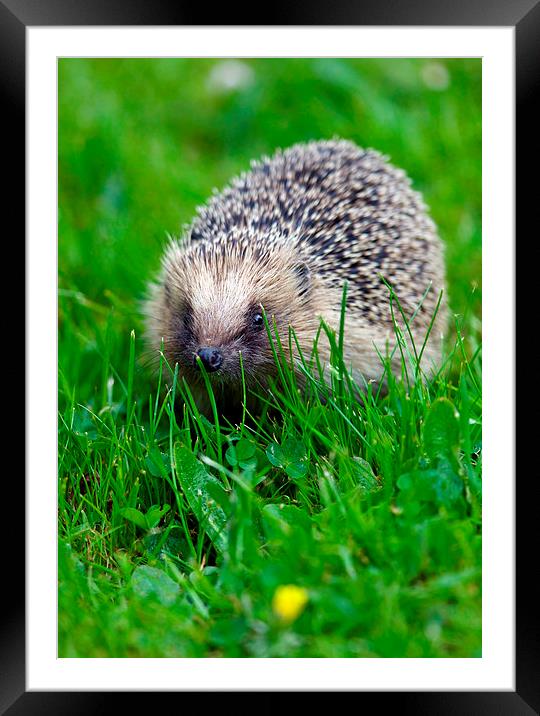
<point>352,215</point>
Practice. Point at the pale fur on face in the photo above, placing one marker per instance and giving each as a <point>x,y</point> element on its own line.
<point>208,296</point>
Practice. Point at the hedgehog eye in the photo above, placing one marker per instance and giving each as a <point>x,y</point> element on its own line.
<point>258,320</point>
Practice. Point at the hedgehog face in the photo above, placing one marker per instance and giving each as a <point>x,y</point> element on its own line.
<point>216,298</point>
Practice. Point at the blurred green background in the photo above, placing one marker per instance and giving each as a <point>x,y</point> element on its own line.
<point>142,142</point>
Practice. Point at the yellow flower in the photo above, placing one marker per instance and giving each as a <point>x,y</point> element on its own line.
<point>289,602</point>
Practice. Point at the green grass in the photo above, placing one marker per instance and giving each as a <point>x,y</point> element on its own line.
<point>176,531</point>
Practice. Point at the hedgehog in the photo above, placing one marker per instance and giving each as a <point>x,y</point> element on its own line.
<point>281,240</point>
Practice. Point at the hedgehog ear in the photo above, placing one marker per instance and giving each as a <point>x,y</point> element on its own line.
<point>303,278</point>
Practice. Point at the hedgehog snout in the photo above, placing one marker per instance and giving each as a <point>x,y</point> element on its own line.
<point>211,358</point>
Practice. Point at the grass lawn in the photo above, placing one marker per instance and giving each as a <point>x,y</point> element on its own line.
<point>325,526</point>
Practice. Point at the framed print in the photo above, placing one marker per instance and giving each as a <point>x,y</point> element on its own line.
<point>223,491</point>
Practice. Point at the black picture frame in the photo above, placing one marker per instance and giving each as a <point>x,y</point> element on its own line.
<point>524,16</point>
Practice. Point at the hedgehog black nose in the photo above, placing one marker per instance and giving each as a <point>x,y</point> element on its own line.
<point>211,358</point>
